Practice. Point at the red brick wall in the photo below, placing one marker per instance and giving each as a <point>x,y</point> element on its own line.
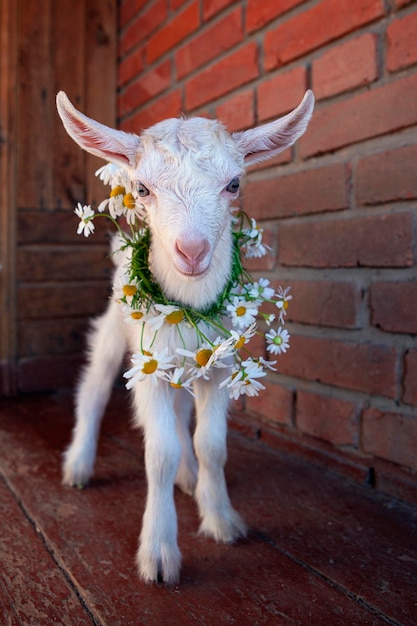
<point>339,209</point>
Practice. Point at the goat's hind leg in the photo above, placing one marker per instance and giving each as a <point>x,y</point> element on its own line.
<point>106,350</point>
<point>186,478</point>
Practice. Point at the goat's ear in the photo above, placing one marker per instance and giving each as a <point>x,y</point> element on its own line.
<point>264,142</point>
<point>107,143</point>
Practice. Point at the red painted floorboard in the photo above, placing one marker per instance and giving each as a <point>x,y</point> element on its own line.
<point>322,550</point>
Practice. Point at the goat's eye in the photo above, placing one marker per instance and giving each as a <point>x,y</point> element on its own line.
<point>233,186</point>
<point>142,190</point>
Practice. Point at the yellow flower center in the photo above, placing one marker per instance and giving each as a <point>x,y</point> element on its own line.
<point>150,366</point>
<point>240,343</point>
<point>240,311</point>
<point>203,356</point>
<point>146,353</point>
<point>175,385</point>
<point>129,201</point>
<point>117,191</point>
<point>175,317</point>
<point>129,290</point>
<point>136,315</point>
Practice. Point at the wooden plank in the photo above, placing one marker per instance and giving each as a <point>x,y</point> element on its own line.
<point>252,582</point>
<point>52,263</point>
<point>32,589</point>
<point>55,300</point>
<point>35,134</point>
<point>58,227</point>
<point>69,61</point>
<point>8,156</point>
<point>52,337</point>
<point>100,77</point>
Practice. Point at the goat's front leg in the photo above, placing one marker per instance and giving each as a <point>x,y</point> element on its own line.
<point>218,518</point>
<point>107,346</point>
<point>158,557</point>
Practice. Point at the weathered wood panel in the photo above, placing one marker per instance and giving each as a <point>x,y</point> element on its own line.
<point>51,274</point>
<point>8,156</point>
<point>56,300</point>
<point>45,263</point>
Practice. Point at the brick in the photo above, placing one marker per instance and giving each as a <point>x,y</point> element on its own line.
<point>410,377</point>
<point>237,112</point>
<point>302,193</point>
<point>361,117</point>
<point>130,67</point>
<point>374,241</point>
<point>356,366</point>
<point>128,9</point>
<point>166,106</point>
<point>213,41</point>
<point>274,404</point>
<point>387,176</point>
<point>394,306</point>
<point>323,302</point>
<point>390,436</point>
<point>259,12</point>
<point>212,7</point>
<point>281,93</point>
<point>147,86</point>
<point>327,418</point>
<point>143,26</point>
<point>183,24</point>
<point>402,42</point>
<point>310,29</point>
<point>177,4</point>
<point>232,71</point>
<point>347,66</point>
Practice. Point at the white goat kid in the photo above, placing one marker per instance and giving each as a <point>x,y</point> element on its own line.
<point>187,172</point>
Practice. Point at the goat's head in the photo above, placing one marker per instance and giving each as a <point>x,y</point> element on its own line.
<point>187,173</point>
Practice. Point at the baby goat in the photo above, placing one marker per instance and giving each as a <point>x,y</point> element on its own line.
<point>187,172</point>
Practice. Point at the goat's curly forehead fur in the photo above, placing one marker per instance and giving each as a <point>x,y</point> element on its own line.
<point>202,138</point>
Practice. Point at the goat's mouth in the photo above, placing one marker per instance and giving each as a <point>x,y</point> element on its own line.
<point>193,272</point>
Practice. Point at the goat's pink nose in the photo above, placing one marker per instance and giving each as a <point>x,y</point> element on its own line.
<point>193,251</point>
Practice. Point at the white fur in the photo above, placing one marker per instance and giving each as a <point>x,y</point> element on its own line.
<point>186,164</point>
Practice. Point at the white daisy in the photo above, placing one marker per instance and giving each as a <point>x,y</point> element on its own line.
<point>278,341</point>
<point>133,316</point>
<point>243,380</point>
<point>175,380</point>
<point>242,312</point>
<point>86,215</point>
<point>108,173</point>
<point>261,290</point>
<point>148,365</point>
<point>124,288</point>
<point>254,246</point>
<point>282,302</point>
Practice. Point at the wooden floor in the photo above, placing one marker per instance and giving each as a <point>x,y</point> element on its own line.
<point>322,550</point>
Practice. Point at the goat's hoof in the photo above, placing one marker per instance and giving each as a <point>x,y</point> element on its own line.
<point>227,529</point>
<point>164,568</point>
<point>186,478</point>
<point>78,478</point>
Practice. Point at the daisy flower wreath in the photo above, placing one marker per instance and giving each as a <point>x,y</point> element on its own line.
<point>144,303</point>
